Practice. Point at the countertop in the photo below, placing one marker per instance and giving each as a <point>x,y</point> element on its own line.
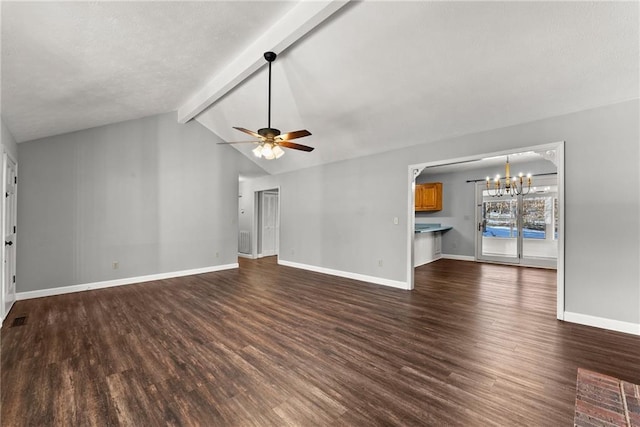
<point>430,228</point>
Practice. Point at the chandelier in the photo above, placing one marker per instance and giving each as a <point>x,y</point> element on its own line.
<point>512,186</point>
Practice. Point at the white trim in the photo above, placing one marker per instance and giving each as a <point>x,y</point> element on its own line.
<point>250,256</point>
<point>560,313</point>
<point>256,219</point>
<point>429,261</point>
<point>264,252</point>
<point>459,257</point>
<point>411,225</point>
<point>345,274</point>
<point>119,282</point>
<point>603,323</point>
<point>6,157</point>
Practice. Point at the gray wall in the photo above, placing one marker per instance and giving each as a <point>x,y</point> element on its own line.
<point>152,194</point>
<point>340,215</point>
<point>7,141</point>
<point>245,206</point>
<point>458,202</point>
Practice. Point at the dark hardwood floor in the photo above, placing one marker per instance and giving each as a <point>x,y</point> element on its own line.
<point>473,344</point>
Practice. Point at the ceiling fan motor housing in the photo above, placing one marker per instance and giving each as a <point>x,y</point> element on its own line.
<point>269,132</point>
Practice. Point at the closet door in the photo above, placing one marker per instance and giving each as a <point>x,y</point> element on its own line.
<point>269,223</point>
<point>9,229</point>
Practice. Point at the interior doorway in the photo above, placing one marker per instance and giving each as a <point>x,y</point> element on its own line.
<point>9,231</point>
<point>268,222</point>
<point>415,170</point>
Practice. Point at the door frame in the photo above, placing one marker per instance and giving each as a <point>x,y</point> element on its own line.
<point>256,247</point>
<point>415,170</point>
<point>520,258</point>
<point>6,157</point>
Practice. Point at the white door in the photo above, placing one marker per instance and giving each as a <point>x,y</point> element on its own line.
<point>10,186</point>
<point>498,228</point>
<point>522,229</point>
<point>269,221</point>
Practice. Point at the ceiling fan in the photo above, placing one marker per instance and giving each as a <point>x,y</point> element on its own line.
<point>270,141</point>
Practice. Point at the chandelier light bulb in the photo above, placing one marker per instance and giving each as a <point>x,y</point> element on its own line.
<point>257,151</point>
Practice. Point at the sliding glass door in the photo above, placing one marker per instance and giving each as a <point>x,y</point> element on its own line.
<point>519,229</point>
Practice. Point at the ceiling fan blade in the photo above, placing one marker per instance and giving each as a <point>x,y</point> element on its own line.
<point>295,146</point>
<point>293,135</point>
<point>238,142</point>
<point>250,132</point>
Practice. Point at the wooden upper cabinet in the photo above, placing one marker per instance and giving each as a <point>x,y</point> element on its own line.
<point>429,197</point>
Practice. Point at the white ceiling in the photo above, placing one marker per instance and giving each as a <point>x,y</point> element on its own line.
<point>374,76</point>
<point>516,159</point>
<point>74,65</point>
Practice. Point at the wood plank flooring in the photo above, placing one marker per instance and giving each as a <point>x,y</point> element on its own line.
<point>266,345</point>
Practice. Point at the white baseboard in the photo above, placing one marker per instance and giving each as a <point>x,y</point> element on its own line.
<point>119,282</point>
<point>603,323</point>
<point>459,257</point>
<point>246,256</point>
<point>5,314</point>
<point>346,274</point>
<point>427,262</point>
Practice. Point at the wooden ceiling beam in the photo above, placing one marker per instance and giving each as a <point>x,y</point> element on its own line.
<point>300,20</point>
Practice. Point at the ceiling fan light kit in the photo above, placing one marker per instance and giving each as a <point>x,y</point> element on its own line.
<point>270,140</point>
<point>268,151</point>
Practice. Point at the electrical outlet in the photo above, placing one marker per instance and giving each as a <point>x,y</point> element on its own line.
<point>379,263</point>
<point>217,254</point>
<point>395,220</point>
<point>115,265</point>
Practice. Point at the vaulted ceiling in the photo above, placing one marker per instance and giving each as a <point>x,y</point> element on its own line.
<point>364,78</point>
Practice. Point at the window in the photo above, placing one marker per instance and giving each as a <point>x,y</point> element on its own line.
<point>500,217</point>
<point>538,212</point>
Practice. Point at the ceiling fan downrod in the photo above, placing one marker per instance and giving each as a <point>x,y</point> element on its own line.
<point>270,57</point>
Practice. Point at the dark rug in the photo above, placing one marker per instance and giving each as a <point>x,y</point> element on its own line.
<point>602,400</point>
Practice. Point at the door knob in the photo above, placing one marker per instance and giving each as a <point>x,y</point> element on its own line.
<point>9,243</point>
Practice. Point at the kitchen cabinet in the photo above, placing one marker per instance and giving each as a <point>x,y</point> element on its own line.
<point>427,243</point>
<point>428,197</point>
<point>426,248</point>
